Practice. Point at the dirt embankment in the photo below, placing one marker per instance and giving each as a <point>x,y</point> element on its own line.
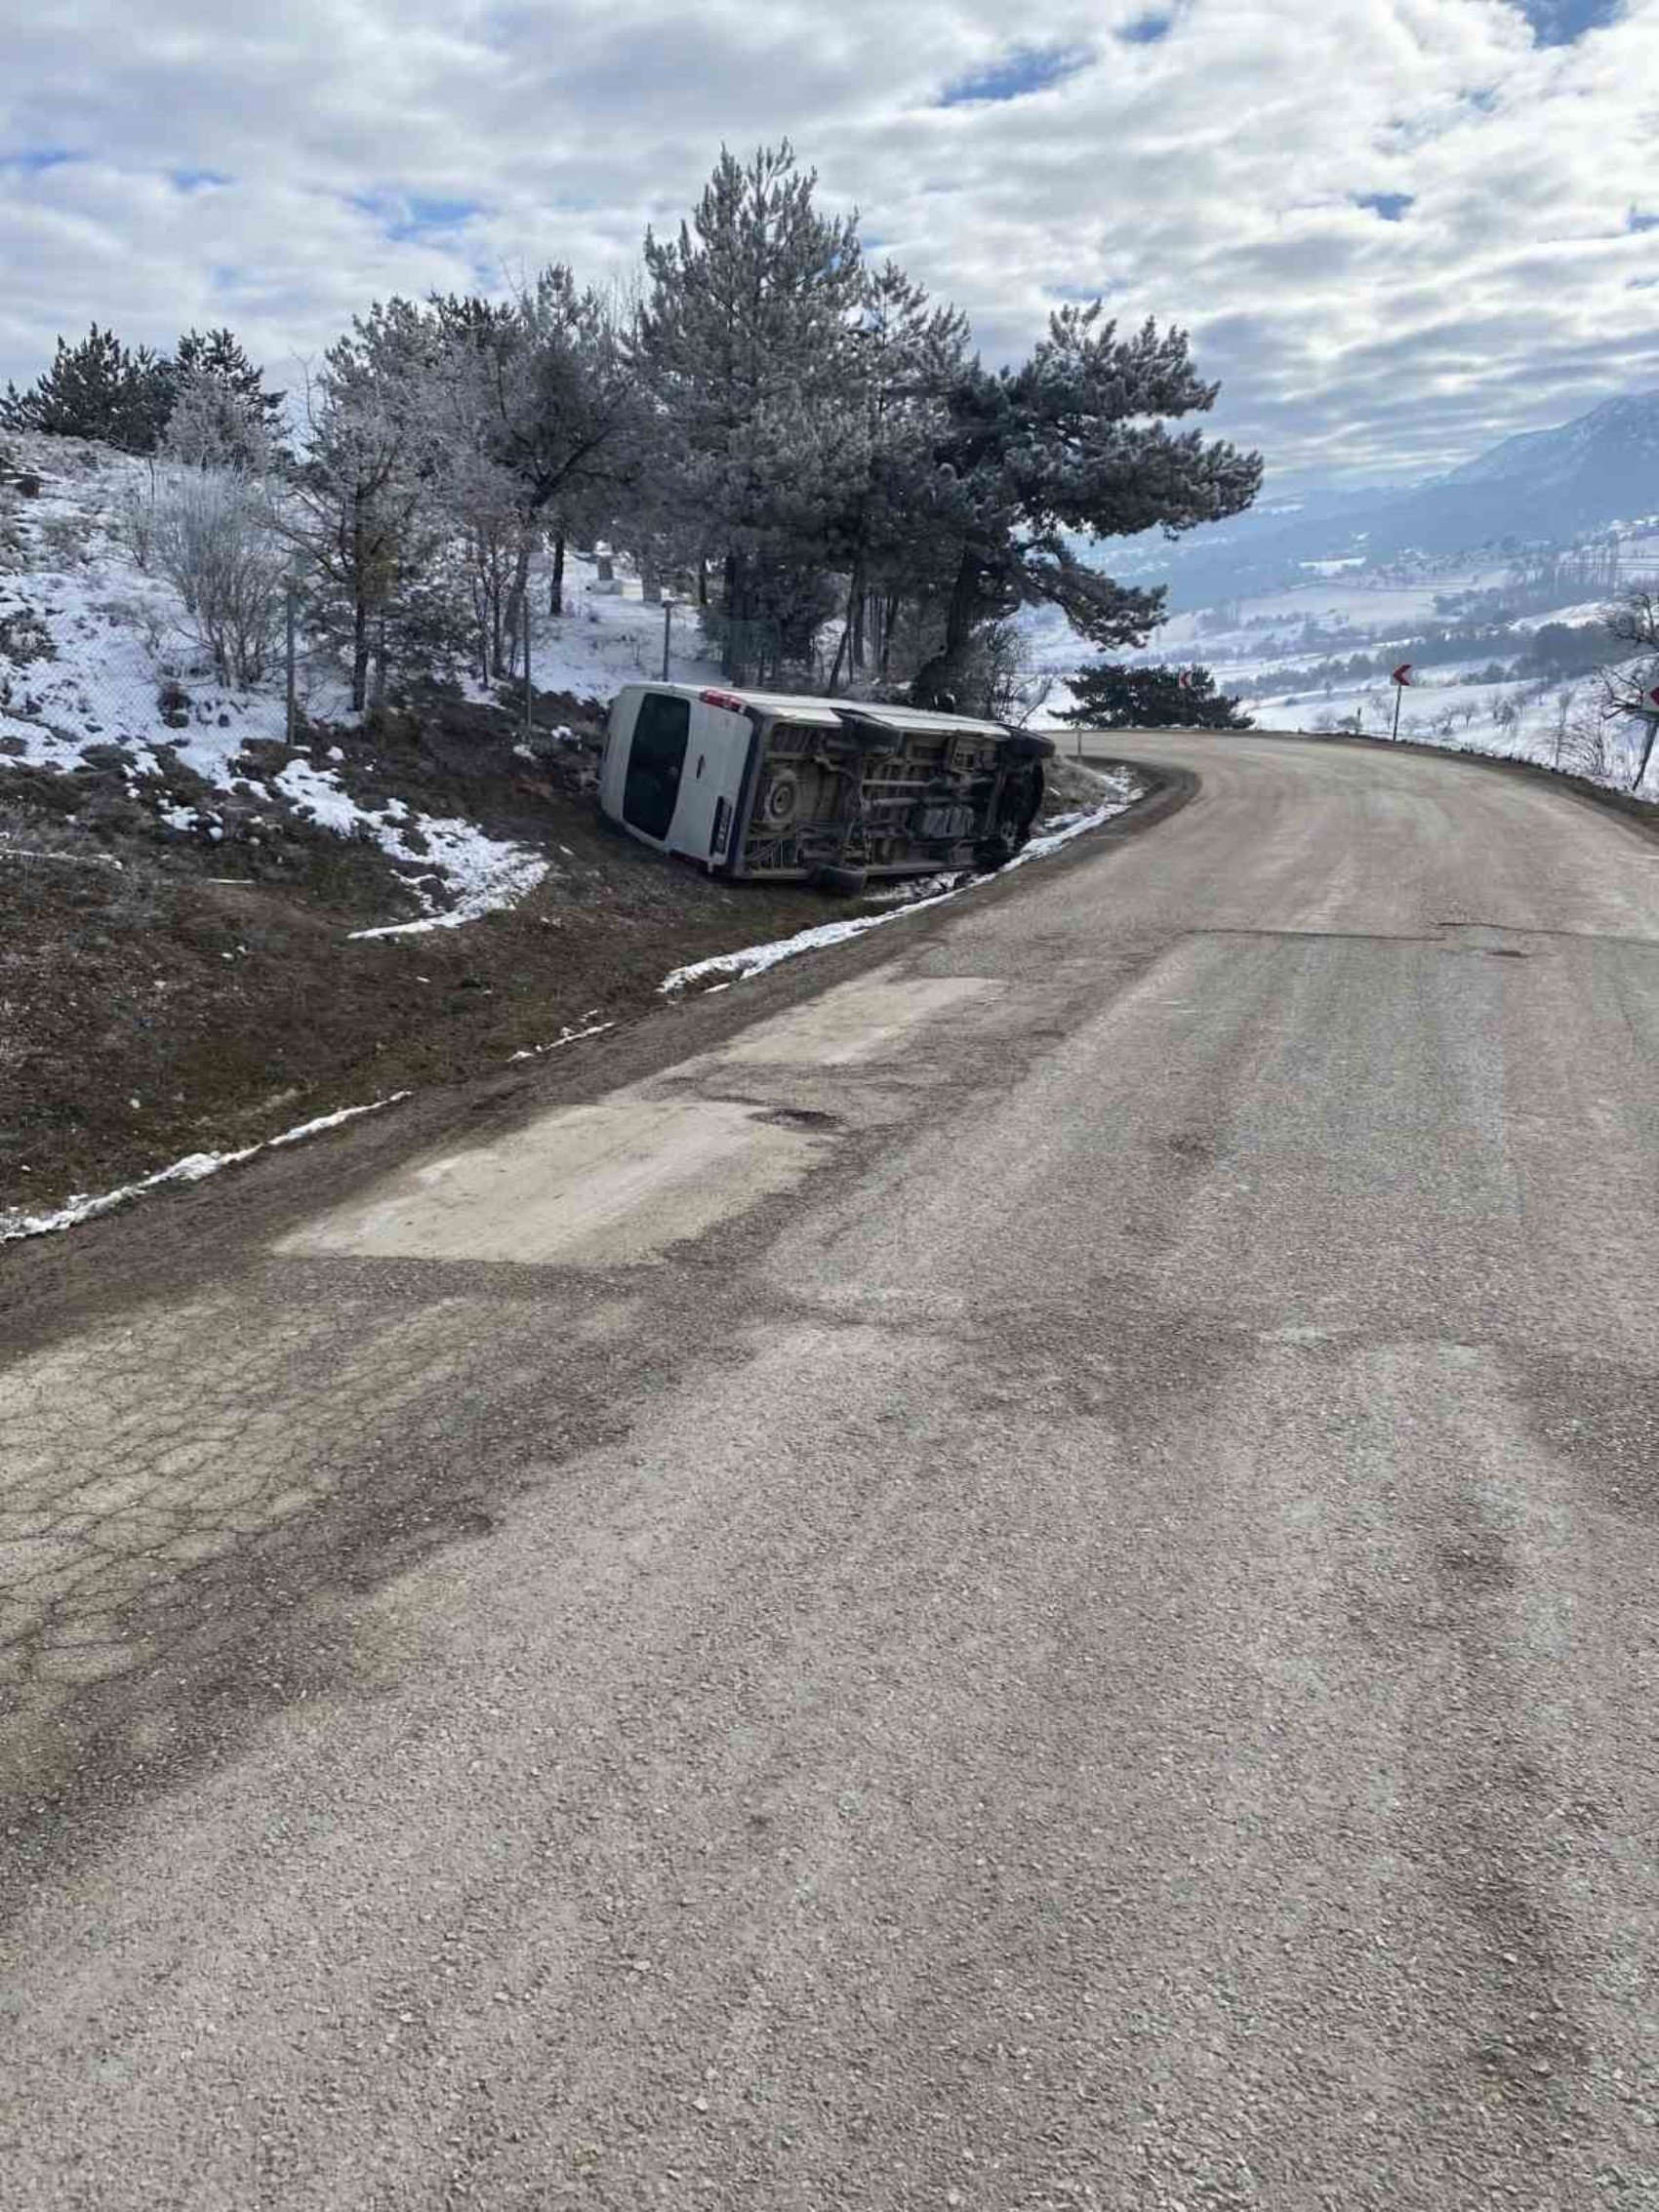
<point>203,995</point>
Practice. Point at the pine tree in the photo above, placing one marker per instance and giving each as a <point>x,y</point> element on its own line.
<point>360,515</point>
<point>1110,696</point>
<point>542,434</point>
<point>100,389</point>
<point>567,414</point>
<point>218,354</point>
<point>462,389</point>
<point>748,338</point>
<point>221,415</point>
<point>96,389</point>
<point>1071,443</point>
<point>908,353</point>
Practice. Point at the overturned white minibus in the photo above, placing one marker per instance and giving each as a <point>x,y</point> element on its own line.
<point>829,792</point>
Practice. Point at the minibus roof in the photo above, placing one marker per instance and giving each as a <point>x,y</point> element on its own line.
<point>832,713</point>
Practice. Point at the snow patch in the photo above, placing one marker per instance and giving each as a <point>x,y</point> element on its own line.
<point>566,1036</point>
<point>192,1167</point>
<point>501,878</point>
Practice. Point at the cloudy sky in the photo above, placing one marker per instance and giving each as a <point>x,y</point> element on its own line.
<point>1398,229</point>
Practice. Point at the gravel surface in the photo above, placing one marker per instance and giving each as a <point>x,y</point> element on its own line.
<point>1094,1650</point>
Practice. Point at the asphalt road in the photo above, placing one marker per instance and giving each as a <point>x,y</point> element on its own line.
<point>1027,1582</point>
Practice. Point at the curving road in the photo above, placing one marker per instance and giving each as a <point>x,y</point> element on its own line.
<point>1016,1572</point>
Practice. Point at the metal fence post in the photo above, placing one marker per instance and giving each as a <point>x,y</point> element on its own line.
<point>289,625</point>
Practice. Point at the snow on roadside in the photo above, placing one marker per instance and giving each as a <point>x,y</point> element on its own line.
<point>1065,827</point>
<point>441,857</point>
<point>479,873</point>
<point>756,959</point>
<point>194,1167</point>
<point>918,887</point>
<point>566,1036</point>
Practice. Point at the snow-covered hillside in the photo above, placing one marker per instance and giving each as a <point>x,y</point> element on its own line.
<point>97,667</point>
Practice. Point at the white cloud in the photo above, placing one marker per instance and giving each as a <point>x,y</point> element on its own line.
<point>160,169</point>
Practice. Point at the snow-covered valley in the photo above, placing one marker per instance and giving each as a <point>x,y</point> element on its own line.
<point>1315,657</point>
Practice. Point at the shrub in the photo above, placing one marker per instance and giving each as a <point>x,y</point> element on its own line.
<point>1115,696</point>
<point>65,538</point>
<point>215,541</point>
<point>172,703</point>
<point>24,637</point>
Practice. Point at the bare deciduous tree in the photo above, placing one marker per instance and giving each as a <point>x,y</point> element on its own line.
<point>1627,691</point>
<point>214,539</point>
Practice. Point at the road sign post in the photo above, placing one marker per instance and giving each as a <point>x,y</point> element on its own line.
<point>1399,679</point>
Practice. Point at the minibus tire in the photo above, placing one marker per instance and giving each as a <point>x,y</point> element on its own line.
<point>843,882</point>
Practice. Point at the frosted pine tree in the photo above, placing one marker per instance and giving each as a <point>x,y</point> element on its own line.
<point>746,335</point>
<point>361,517</point>
<point>545,429</point>
<point>889,538</point>
<point>221,415</point>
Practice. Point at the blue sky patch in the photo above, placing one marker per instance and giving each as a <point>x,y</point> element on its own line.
<point>1561,23</point>
<point>406,216</point>
<point>1638,219</point>
<point>1391,206</point>
<point>1147,30</point>
<point>33,159</point>
<point>197,180</point>
<point>1021,70</point>
<point>441,214</point>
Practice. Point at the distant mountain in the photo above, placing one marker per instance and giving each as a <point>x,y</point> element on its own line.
<point>1543,485</point>
<point>1592,457</point>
